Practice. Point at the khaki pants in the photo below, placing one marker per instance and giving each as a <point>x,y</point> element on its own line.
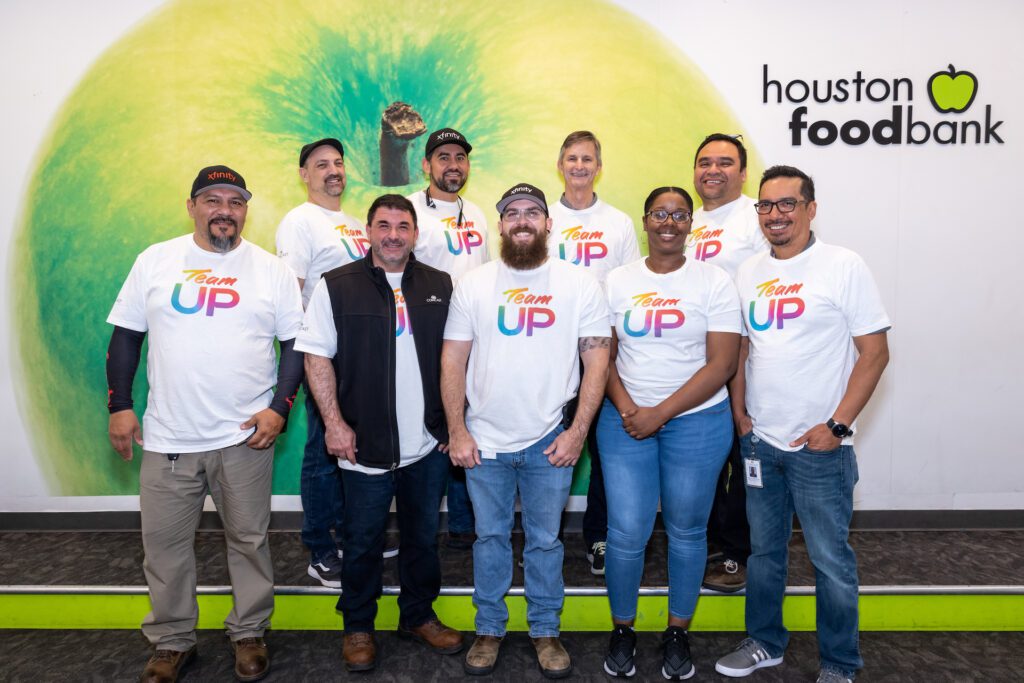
<point>171,499</point>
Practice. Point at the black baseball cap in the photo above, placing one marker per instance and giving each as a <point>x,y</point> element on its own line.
<point>308,149</point>
<point>446,136</point>
<point>522,191</point>
<point>219,176</point>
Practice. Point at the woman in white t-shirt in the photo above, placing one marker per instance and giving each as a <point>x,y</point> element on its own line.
<point>666,426</point>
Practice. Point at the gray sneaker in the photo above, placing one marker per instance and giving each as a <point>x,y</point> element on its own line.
<point>745,660</point>
<point>833,676</point>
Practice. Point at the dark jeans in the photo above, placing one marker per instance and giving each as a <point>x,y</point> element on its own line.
<point>727,526</point>
<point>595,518</point>
<point>460,510</point>
<point>417,490</point>
<point>323,502</point>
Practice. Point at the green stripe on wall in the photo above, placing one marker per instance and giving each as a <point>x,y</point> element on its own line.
<point>581,613</point>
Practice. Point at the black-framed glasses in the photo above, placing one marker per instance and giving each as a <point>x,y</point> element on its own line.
<point>660,215</point>
<point>764,207</point>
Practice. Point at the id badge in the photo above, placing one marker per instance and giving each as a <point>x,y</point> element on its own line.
<point>752,473</point>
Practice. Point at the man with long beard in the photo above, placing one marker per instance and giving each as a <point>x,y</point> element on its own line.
<point>518,416</point>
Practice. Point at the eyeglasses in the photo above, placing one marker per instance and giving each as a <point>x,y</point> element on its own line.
<point>660,215</point>
<point>764,207</point>
<point>532,215</point>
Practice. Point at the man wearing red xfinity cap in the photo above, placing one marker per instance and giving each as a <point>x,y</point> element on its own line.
<point>212,305</point>
<point>521,325</point>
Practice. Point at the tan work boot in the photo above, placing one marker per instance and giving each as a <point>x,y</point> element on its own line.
<point>435,635</point>
<point>165,665</point>
<point>552,658</point>
<point>482,656</point>
<point>359,650</point>
<point>252,659</point>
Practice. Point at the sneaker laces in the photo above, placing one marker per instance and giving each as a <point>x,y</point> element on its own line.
<point>753,649</point>
<point>166,655</point>
<point>599,547</point>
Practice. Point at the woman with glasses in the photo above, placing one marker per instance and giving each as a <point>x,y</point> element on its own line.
<point>666,426</point>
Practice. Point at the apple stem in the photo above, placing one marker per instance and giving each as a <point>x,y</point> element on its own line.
<point>952,71</point>
<point>400,124</point>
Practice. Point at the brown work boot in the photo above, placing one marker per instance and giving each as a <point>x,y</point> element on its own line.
<point>252,659</point>
<point>725,576</point>
<point>165,665</point>
<point>359,651</point>
<point>552,658</point>
<point>434,635</point>
<point>482,656</point>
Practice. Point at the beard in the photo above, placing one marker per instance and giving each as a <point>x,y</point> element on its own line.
<point>524,256</point>
<point>223,243</point>
<point>449,185</point>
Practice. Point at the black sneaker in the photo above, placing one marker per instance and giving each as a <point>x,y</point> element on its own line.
<point>677,665</point>
<point>596,558</point>
<point>327,571</point>
<point>621,649</point>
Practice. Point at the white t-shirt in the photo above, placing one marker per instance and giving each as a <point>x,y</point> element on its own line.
<point>211,319</point>
<point>444,245</point>
<point>662,321</point>
<point>599,238</point>
<point>801,315</point>
<point>525,326</point>
<point>727,236</point>
<point>313,240</point>
<point>319,336</point>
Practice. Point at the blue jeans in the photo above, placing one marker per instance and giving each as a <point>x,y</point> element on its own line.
<point>323,503</point>
<point>678,465</point>
<point>543,492</point>
<point>460,511</point>
<point>417,490</point>
<point>818,487</point>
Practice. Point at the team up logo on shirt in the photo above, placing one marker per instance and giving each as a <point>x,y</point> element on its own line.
<point>529,312</point>
<point>782,305</point>
<point>402,322</point>
<point>580,246</point>
<point>214,292</point>
<point>461,238</point>
<point>658,315</point>
<point>354,241</point>
<point>705,243</point>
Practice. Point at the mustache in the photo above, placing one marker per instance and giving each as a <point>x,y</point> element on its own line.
<point>334,177</point>
<point>222,219</point>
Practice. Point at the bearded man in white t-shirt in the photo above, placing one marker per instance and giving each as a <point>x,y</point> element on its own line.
<point>453,238</point>
<point>313,238</point>
<point>510,378</point>
<point>814,350</point>
<point>212,305</point>
<point>590,233</point>
<point>725,233</point>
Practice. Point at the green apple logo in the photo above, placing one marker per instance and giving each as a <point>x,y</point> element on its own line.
<point>202,83</point>
<point>952,90</point>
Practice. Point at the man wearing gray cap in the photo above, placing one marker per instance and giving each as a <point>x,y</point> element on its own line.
<point>313,238</point>
<point>518,414</point>
<point>212,305</point>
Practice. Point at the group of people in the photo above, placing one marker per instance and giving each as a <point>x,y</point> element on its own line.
<point>718,379</point>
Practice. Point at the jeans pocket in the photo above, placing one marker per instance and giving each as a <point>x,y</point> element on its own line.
<point>811,451</point>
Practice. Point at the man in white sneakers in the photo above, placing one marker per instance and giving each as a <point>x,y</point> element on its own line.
<point>212,305</point>
<point>725,233</point>
<point>521,325</point>
<point>313,238</point>
<point>815,349</point>
<point>589,233</point>
<point>453,238</point>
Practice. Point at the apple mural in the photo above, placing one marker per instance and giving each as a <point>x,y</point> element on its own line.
<point>200,83</point>
<point>952,90</point>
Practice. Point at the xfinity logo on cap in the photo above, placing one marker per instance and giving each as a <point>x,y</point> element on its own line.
<point>446,135</point>
<point>951,92</point>
<point>521,190</point>
<point>216,175</point>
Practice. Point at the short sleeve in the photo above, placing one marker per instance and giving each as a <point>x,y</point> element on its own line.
<point>631,247</point>
<point>860,300</point>
<point>459,326</point>
<point>129,309</point>
<point>723,304</point>
<point>293,245</point>
<point>594,310</point>
<point>318,335</point>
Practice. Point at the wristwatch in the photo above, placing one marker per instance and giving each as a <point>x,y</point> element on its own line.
<point>839,430</point>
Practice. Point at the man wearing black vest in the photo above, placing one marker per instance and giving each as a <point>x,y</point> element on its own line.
<point>372,336</point>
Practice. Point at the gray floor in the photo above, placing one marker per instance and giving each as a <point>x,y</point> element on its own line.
<point>111,656</point>
<point>975,557</point>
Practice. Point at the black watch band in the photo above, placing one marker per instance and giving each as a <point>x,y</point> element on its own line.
<point>839,430</point>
